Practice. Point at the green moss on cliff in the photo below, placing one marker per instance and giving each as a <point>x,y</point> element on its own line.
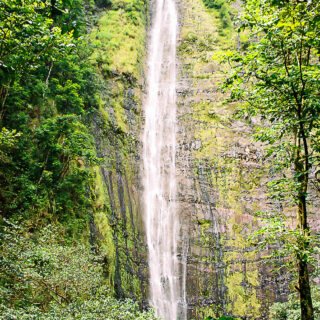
<point>119,37</point>
<point>227,165</point>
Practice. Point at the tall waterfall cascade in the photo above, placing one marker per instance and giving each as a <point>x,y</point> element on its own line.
<point>167,287</point>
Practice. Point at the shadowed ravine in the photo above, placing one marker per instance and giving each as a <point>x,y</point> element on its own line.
<point>159,177</point>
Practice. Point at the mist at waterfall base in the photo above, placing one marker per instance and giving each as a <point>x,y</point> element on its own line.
<point>167,284</point>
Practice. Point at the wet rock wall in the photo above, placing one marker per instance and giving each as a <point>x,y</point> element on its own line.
<point>222,182</point>
<point>116,223</point>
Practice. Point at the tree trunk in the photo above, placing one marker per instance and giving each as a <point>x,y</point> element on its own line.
<point>53,5</point>
<point>304,283</point>
<point>305,292</point>
<point>302,223</point>
<point>302,171</point>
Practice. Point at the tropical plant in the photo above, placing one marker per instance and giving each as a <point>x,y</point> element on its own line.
<point>277,80</point>
<point>290,310</point>
<point>45,277</point>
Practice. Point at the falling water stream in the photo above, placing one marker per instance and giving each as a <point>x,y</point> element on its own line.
<point>159,174</point>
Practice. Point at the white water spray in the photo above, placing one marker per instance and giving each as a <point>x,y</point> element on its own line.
<point>159,176</point>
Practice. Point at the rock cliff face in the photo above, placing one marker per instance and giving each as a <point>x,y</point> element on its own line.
<point>116,224</point>
<point>222,177</point>
<point>221,173</point>
<point>120,211</point>
<point>222,182</point>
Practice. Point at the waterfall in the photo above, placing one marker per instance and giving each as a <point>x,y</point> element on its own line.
<point>162,224</point>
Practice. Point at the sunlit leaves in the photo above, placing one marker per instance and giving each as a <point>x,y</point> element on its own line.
<point>45,72</point>
<point>28,36</point>
<point>44,277</point>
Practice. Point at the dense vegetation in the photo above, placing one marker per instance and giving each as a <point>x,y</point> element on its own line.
<point>57,242</point>
<point>48,87</point>
<point>223,9</point>
<point>44,277</point>
<point>277,80</point>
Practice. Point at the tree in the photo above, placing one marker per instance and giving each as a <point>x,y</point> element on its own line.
<point>44,276</point>
<point>29,40</point>
<point>45,71</point>
<point>277,79</point>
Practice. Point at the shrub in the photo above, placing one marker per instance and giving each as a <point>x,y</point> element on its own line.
<point>223,11</point>
<point>44,278</point>
<point>216,4</point>
<point>290,310</point>
<point>225,16</point>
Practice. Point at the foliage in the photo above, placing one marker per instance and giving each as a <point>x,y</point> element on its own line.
<point>48,80</point>
<point>96,308</point>
<point>223,9</point>
<point>28,38</point>
<point>55,95</point>
<point>285,242</point>
<point>8,139</point>
<point>37,269</point>
<point>277,80</point>
<point>44,277</point>
<point>217,4</point>
<point>290,310</point>
<point>51,174</point>
<point>45,71</point>
<point>222,318</point>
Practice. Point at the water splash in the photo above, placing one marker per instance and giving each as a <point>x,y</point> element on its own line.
<point>159,176</point>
